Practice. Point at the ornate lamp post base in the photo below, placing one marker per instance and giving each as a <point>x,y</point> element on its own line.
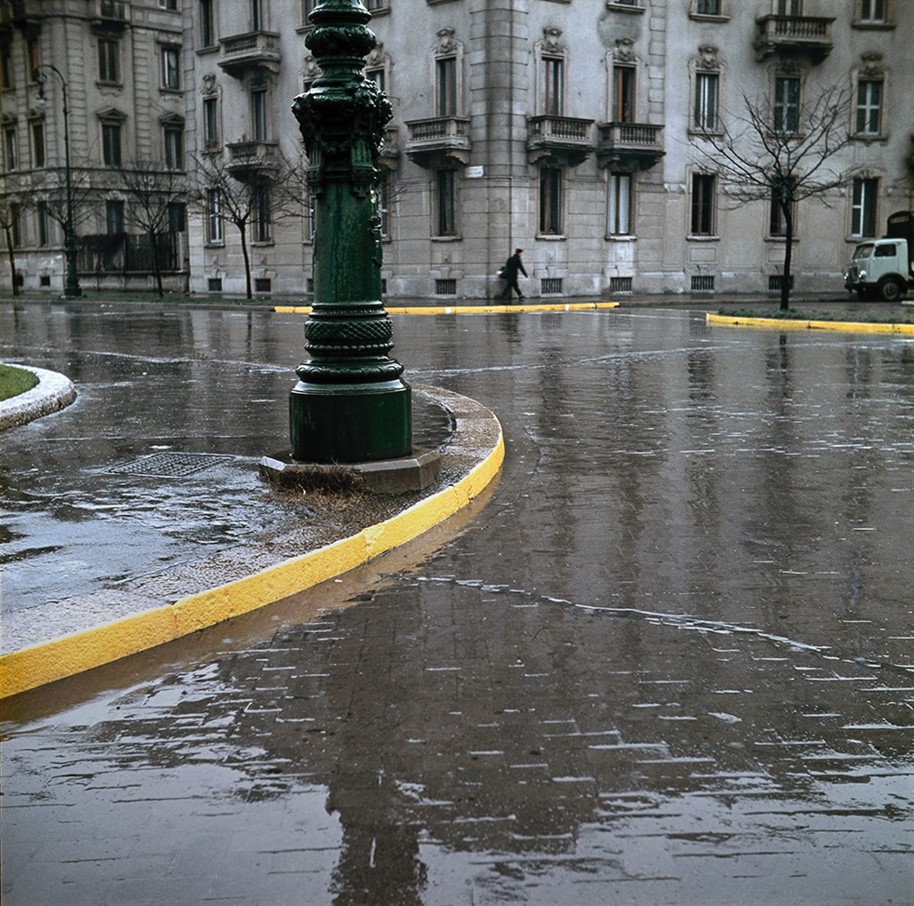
<point>350,422</point>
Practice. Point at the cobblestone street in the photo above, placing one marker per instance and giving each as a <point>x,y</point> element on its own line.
<point>666,660</point>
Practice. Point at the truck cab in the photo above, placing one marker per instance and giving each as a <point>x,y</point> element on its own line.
<point>882,268</point>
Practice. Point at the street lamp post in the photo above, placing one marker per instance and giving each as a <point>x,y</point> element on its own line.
<point>71,282</point>
<point>350,403</point>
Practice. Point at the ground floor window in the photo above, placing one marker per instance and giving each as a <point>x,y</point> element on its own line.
<point>550,201</point>
<point>214,234</point>
<point>620,204</point>
<point>863,207</point>
<point>703,189</point>
<point>446,202</point>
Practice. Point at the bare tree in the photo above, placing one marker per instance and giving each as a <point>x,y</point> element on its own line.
<point>765,155</point>
<point>50,191</point>
<point>12,206</point>
<point>251,199</point>
<point>152,191</point>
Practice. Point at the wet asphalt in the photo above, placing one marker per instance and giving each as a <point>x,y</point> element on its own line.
<point>666,660</point>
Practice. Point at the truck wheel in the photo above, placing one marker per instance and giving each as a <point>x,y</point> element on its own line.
<point>890,290</point>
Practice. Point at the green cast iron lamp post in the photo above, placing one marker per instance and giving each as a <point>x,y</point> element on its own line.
<point>350,403</point>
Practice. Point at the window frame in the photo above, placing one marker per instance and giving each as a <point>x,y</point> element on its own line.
<point>551,219</point>
<point>109,60</point>
<point>115,216</point>
<point>173,140</point>
<point>865,112</point>
<point>38,136</point>
<point>211,122</point>
<point>447,93</point>
<point>703,206</point>
<point>112,144</point>
<point>782,109</point>
<point>214,217</point>
<point>170,58</point>
<point>447,204</point>
<point>706,109</point>
<point>10,149</point>
<point>206,24</point>
<point>552,84</point>
<point>260,113</point>
<point>620,210</point>
<point>864,207</point>
<point>262,213</point>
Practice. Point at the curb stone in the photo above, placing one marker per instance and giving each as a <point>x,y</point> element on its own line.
<point>52,393</point>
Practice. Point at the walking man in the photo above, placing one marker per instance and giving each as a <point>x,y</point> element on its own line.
<point>511,268</point>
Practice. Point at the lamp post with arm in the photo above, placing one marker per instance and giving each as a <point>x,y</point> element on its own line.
<point>71,282</point>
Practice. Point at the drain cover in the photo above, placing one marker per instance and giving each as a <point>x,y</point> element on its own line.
<point>172,465</point>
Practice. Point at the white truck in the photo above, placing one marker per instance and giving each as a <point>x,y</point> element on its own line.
<point>884,268</point>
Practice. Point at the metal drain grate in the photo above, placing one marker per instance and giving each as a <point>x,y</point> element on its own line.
<point>172,465</point>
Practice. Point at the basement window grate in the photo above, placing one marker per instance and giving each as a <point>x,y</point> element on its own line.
<point>776,281</point>
<point>551,286</point>
<point>445,287</point>
<point>171,465</point>
<point>620,284</point>
<point>702,283</point>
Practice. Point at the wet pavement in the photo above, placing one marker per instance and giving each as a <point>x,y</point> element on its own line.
<point>667,661</point>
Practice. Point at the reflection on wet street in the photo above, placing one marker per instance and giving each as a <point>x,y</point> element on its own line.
<point>669,662</point>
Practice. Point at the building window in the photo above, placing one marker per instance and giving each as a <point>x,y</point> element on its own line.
<point>707,93</point>
<point>703,188</point>
<point>39,157</point>
<point>306,7</point>
<point>869,107</point>
<point>109,60</point>
<point>171,68</point>
<point>44,225</point>
<point>111,144</point>
<point>210,123</point>
<point>33,47</point>
<point>708,8</point>
<point>863,207</point>
<point>169,4</point>
<point>10,156</point>
<point>446,76</point>
<point>446,202</point>
<point>207,23</point>
<point>379,78</point>
<point>777,223</point>
<point>174,147</point>
<point>788,7</point>
<point>214,235</point>
<point>257,20</point>
<point>263,216</point>
<point>623,99</point>
<point>620,204</point>
<point>873,12</point>
<point>786,104</point>
<point>177,217</point>
<point>6,67</point>
<point>553,73</point>
<point>259,114</point>
<point>114,217</point>
<point>550,201</point>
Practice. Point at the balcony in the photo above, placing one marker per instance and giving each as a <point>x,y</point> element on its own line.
<point>807,35</point>
<point>110,15</point>
<point>629,143</point>
<point>565,139</point>
<point>248,160</point>
<point>437,141</point>
<point>253,50</point>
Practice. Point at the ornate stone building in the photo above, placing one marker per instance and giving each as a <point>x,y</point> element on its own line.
<point>582,131</point>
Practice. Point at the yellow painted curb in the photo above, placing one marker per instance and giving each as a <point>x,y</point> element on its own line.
<point>47,662</point>
<point>784,324</point>
<point>471,309</point>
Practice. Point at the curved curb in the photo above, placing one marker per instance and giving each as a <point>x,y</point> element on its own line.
<point>906,330</point>
<point>52,393</point>
<point>471,309</point>
<point>47,662</point>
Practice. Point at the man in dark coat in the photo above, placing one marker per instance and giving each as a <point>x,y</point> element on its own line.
<point>510,271</point>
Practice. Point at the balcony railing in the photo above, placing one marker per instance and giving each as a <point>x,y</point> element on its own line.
<point>563,137</point>
<point>250,50</point>
<point>429,140</point>
<point>251,157</point>
<point>807,34</point>
<point>620,142</point>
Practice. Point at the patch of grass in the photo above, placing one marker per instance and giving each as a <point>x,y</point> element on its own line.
<point>14,381</point>
<point>793,314</point>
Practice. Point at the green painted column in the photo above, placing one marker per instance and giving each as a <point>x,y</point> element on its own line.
<point>350,403</point>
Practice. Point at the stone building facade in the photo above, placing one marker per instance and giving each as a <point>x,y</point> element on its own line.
<point>582,131</point>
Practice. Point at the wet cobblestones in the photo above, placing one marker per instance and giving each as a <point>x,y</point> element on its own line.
<point>669,662</point>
